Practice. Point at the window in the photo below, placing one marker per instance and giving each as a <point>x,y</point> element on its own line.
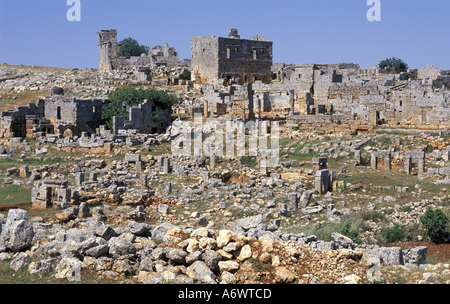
<point>58,113</point>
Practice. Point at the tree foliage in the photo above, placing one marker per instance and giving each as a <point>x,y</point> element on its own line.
<point>397,64</point>
<point>436,223</point>
<point>130,47</point>
<point>394,234</point>
<point>186,75</point>
<point>125,97</point>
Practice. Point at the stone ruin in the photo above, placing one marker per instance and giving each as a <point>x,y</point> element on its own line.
<point>414,157</point>
<point>381,160</point>
<point>221,60</point>
<point>49,193</point>
<point>324,178</point>
<point>142,66</point>
<point>68,117</point>
<point>328,98</point>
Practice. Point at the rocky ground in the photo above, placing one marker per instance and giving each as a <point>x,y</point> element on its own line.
<point>227,223</point>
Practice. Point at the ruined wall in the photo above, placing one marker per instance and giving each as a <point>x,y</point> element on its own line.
<point>141,119</point>
<point>216,60</point>
<point>71,117</point>
<point>21,121</point>
<point>109,59</point>
<point>204,59</point>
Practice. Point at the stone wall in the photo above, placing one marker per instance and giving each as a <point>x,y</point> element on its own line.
<point>141,119</point>
<point>217,60</point>
<point>109,59</point>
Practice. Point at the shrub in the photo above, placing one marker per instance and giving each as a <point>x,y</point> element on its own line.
<point>394,234</point>
<point>351,233</point>
<point>186,75</point>
<point>436,223</point>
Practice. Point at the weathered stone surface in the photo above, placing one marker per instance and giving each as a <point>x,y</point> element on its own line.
<point>200,271</point>
<point>387,255</point>
<point>20,236</point>
<point>20,262</point>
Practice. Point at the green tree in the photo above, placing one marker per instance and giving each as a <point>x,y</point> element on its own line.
<point>186,75</point>
<point>436,223</point>
<point>130,47</point>
<point>397,64</point>
<point>125,97</point>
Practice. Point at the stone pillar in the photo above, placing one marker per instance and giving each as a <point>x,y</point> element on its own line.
<point>293,201</point>
<point>93,176</point>
<point>358,157</point>
<point>205,108</point>
<point>322,181</point>
<point>292,104</point>
<point>212,161</point>
<point>166,166</point>
<point>139,166</point>
<point>387,162</point>
<point>144,182</point>
<point>407,164</point>
<point>79,178</point>
<point>373,161</point>
<point>24,172</point>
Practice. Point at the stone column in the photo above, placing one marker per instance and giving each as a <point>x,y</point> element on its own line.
<point>79,178</point>
<point>407,164</point>
<point>205,108</point>
<point>292,104</point>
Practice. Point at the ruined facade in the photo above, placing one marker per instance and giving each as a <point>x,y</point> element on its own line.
<point>144,118</point>
<point>70,117</point>
<point>336,97</point>
<point>65,116</point>
<point>216,60</point>
<point>109,59</point>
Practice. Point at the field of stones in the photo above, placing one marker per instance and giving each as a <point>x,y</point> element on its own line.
<point>144,216</point>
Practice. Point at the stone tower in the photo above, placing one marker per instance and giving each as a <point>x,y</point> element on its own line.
<point>108,48</point>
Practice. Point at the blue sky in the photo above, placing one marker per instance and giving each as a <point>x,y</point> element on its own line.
<point>34,32</point>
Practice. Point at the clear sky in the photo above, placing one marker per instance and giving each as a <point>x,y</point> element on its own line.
<point>37,32</point>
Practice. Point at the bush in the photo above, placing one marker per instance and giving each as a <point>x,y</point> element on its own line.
<point>394,234</point>
<point>130,47</point>
<point>397,64</point>
<point>436,223</point>
<point>351,233</point>
<point>126,97</point>
<point>186,75</point>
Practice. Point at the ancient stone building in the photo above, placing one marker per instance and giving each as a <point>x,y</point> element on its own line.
<point>218,60</point>
<point>70,117</point>
<point>66,116</point>
<point>145,118</point>
<point>109,59</point>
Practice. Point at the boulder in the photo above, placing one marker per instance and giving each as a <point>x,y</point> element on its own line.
<point>199,271</point>
<point>343,241</point>
<point>99,228</point>
<point>250,222</point>
<point>20,236</point>
<point>388,255</point>
<point>20,262</point>
<point>119,246</point>
<point>69,268</point>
